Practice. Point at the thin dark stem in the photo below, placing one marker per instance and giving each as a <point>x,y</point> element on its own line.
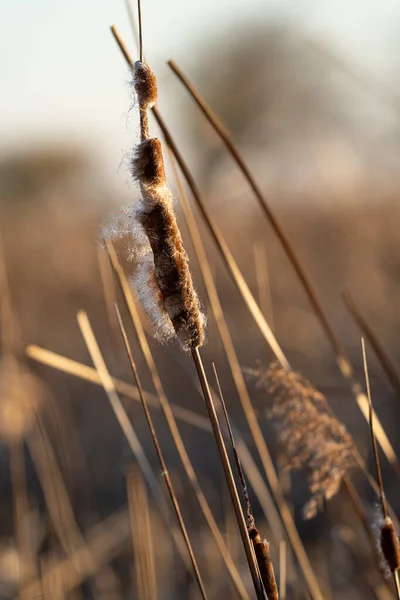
<point>139,6</point>
<point>242,479</point>
<point>290,252</point>
<point>227,472</point>
<point>373,439</point>
<point>160,456</point>
<point>383,357</point>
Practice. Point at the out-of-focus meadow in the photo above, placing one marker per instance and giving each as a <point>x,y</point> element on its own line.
<point>309,123</point>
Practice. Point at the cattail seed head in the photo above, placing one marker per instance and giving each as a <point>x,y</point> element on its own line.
<point>310,436</point>
<point>163,281</point>
<point>148,164</point>
<point>389,544</point>
<point>145,84</point>
<point>261,550</point>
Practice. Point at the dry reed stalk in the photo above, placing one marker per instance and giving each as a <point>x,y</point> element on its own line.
<point>245,400</point>
<point>110,297</point>
<point>142,539</point>
<point>282,570</point>
<point>193,342</point>
<point>170,419</point>
<point>104,541</point>
<point>290,252</point>
<point>344,364</point>
<point>227,471</point>
<point>22,528</point>
<point>160,456</point>
<point>55,491</point>
<point>261,547</point>
<point>81,371</point>
<point>129,432</point>
<point>382,355</point>
<point>263,282</point>
<point>389,544</point>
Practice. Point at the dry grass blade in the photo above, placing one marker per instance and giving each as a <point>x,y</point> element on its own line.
<point>104,543</point>
<point>55,491</point>
<point>282,569</point>
<point>251,417</point>
<point>142,539</point>
<point>77,369</point>
<point>128,430</point>
<point>389,540</point>
<point>305,280</point>
<point>163,465</point>
<point>169,416</point>
<point>245,492</point>
<point>227,471</point>
<point>343,362</point>
<point>108,290</point>
<point>370,335</point>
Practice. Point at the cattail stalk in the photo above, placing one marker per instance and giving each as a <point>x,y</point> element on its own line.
<point>389,540</point>
<point>265,499</point>
<point>261,547</point>
<point>169,417</point>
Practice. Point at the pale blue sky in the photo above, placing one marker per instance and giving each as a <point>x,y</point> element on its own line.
<point>62,75</point>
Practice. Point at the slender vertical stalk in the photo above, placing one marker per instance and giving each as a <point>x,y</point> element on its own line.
<point>129,432</point>
<point>244,397</point>
<point>227,471</point>
<point>173,427</point>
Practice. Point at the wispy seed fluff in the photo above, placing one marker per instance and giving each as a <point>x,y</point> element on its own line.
<point>310,436</point>
<point>162,280</point>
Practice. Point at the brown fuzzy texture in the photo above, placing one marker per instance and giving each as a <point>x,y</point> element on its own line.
<point>148,163</point>
<point>171,266</point>
<point>145,85</point>
<point>261,550</point>
<point>389,543</point>
<point>310,436</point>
<point>146,91</point>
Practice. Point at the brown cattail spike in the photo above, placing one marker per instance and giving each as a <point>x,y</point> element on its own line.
<point>146,90</point>
<point>390,545</point>
<point>145,85</point>
<point>148,163</point>
<point>162,279</point>
<point>261,550</point>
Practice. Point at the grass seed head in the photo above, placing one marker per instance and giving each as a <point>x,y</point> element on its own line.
<point>310,436</point>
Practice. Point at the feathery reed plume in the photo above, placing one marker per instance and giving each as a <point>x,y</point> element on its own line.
<point>310,435</point>
<point>388,543</point>
<point>162,280</point>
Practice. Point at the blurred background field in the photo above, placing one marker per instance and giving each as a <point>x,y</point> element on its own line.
<point>310,95</point>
